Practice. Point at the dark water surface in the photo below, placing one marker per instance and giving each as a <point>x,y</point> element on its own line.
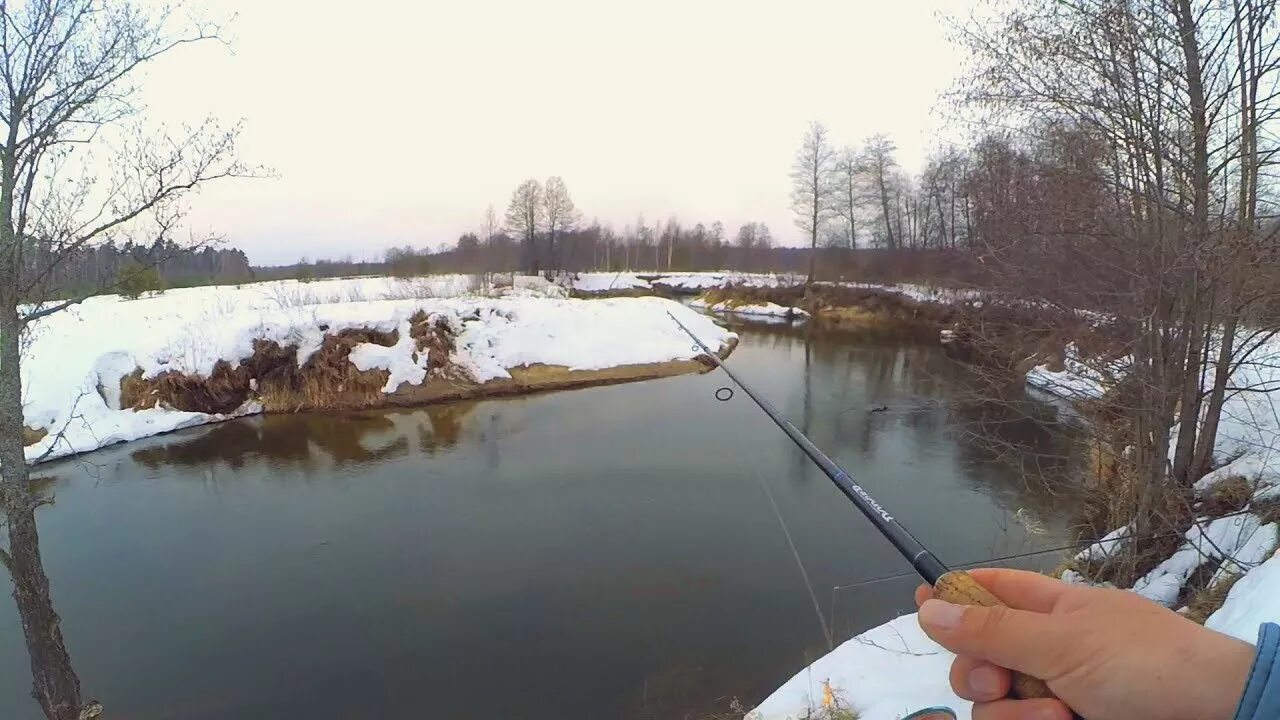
<point>604,553</point>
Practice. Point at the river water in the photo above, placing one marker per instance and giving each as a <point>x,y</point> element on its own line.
<point>605,553</point>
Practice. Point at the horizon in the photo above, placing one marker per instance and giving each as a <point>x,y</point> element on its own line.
<point>715,110</point>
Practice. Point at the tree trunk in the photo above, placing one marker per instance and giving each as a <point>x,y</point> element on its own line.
<point>1217,395</point>
<point>55,685</point>
<point>884,207</point>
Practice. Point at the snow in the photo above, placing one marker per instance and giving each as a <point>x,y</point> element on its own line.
<point>883,674</point>
<point>604,282</point>
<point>766,309</point>
<point>1241,541</point>
<point>691,282</point>
<point>76,359</point>
<point>881,684</point>
<point>1245,466</point>
<point>1102,549</point>
<point>1076,381</point>
<point>919,293</point>
<point>1254,600</point>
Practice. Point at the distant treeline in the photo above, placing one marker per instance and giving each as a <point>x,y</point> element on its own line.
<point>582,253</point>
<point>99,268</point>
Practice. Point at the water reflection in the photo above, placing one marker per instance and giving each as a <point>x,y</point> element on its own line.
<point>315,441</point>
<point>992,420</point>
<point>603,553</point>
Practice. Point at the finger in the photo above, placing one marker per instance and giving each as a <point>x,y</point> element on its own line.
<point>1041,709</point>
<point>924,592</point>
<point>979,680</point>
<point>1031,643</point>
<point>1021,589</point>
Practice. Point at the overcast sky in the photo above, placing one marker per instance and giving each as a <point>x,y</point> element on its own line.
<point>394,122</point>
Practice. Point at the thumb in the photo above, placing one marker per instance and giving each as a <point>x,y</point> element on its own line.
<point>1029,642</point>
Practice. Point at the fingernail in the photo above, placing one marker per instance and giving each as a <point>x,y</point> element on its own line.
<point>940,614</point>
<point>984,681</point>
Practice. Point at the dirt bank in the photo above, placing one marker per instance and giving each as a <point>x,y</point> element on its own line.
<point>31,436</point>
<point>869,310</point>
<point>329,380</point>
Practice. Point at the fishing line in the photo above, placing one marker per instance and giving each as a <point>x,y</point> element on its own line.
<point>1079,545</point>
<point>952,585</point>
<point>786,532</point>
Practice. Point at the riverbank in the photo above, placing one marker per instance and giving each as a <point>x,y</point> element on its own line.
<point>898,311</point>
<point>1223,571</point>
<point>112,370</point>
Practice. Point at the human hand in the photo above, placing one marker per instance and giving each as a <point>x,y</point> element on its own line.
<point>1108,654</point>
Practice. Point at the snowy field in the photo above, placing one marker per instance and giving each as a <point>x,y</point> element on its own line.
<point>74,360</point>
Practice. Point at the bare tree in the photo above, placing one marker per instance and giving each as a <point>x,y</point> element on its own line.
<point>525,220</point>
<point>880,166</point>
<point>558,214</point>
<point>1131,188</point>
<point>812,190</point>
<point>489,226</point>
<point>76,170</point>
<point>847,193</point>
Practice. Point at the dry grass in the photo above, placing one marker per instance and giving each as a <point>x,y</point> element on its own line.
<point>834,707</point>
<point>1201,601</point>
<point>1228,496</point>
<point>863,310</point>
<point>1267,511</point>
<point>1113,497</point>
<point>31,436</point>
<point>329,381</point>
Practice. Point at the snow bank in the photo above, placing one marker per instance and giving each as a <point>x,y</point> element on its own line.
<point>605,282</point>
<point>1076,381</point>
<point>692,282</point>
<point>1254,600</point>
<point>886,685</point>
<point>883,674</point>
<point>919,293</point>
<point>1240,541</point>
<point>73,367</point>
<point>767,309</point>
<point>1104,548</point>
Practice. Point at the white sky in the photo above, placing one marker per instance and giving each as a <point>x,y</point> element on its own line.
<point>392,122</point>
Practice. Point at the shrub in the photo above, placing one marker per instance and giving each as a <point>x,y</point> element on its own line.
<point>136,279</point>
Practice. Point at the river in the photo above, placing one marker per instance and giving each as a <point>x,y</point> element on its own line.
<point>611,552</point>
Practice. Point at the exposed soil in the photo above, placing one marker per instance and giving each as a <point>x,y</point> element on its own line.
<point>31,436</point>
<point>867,310</point>
<point>329,381</point>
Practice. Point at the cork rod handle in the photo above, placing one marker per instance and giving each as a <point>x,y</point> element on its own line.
<point>959,587</point>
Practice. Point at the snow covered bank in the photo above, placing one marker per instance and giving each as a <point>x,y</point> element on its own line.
<point>1075,381</point>
<point>596,283</point>
<point>77,359</point>
<point>893,669</point>
<point>599,283</point>
<point>764,309</point>
<point>883,674</point>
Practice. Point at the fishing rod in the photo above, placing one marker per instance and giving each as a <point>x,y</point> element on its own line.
<point>954,586</point>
